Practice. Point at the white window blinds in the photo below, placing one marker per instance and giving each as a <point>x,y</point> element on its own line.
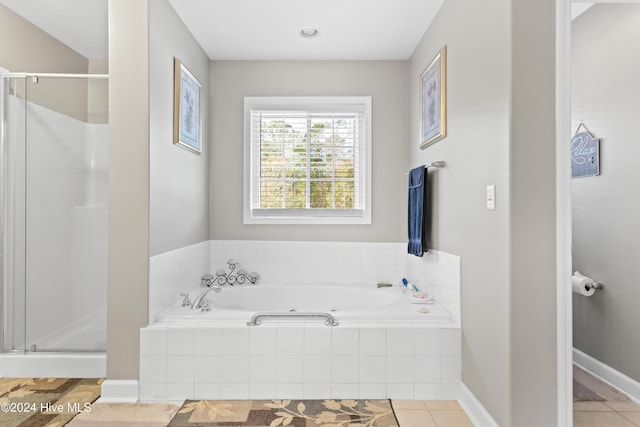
<point>309,160</point>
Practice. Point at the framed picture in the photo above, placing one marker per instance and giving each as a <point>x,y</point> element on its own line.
<point>433,100</point>
<point>186,109</point>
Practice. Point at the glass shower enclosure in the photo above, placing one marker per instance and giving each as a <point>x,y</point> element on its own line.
<point>54,174</point>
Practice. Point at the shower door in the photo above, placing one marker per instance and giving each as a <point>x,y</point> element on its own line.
<point>55,206</point>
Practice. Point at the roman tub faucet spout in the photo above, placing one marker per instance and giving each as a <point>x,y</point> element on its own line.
<point>201,303</point>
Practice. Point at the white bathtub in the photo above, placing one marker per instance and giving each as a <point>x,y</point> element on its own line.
<point>361,303</point>
<point>383,347</point>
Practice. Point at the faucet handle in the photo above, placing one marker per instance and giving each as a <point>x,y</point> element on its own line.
<point>205,306</point>
<point>185,301</point>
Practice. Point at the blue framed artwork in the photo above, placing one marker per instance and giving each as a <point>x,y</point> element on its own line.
<point>585,155</point>
<point>186,109</point>
<point>433,100</point>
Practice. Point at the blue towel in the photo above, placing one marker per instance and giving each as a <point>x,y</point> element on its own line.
<point>417,211</point>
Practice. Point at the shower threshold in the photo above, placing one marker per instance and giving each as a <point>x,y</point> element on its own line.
<point>53,364</point>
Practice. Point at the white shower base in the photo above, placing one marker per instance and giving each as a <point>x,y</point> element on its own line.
<point>53,365</point>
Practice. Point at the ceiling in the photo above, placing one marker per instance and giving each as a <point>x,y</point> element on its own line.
<point>259,29</point>
<point>270,29</point>
<point>256,29</point>
<point>80,24</point>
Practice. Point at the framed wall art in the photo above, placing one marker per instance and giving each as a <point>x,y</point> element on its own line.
<point>433,100</point>
<point>187,131</point>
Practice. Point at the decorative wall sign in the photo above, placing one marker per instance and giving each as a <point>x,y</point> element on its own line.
<point>585,155</point>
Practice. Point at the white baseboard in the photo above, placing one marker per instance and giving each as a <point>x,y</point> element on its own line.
<point>119,391</point>
<point>606,373</point>
<point>477,413</point>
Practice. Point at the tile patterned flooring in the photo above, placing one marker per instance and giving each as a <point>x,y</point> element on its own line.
<point>596,404</point>
<point>410,413</point>
<point>430,413</point>
<point>606,414</point>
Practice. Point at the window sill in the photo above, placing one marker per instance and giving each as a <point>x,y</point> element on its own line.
<point>307,220</point>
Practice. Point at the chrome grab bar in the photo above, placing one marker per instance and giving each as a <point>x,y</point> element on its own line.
<point>255,319</point>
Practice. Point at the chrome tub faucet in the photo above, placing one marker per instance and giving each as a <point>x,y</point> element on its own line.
<point>201,302</point>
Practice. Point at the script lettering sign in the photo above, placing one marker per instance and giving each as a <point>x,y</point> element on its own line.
<point>585,155</point>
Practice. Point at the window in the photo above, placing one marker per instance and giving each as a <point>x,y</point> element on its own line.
<point>307,160</point>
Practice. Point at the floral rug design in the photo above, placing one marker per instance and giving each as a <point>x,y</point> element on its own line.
<point>275,413</point>
<point>50,402</point>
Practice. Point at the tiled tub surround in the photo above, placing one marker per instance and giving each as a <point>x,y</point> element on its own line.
<point>315,262</point>
<point>227,359</point>
<point>345,263</point>
<point>302,360</point>
<point>178,271</point>
<point>175,272</point>
<point>439,273</point>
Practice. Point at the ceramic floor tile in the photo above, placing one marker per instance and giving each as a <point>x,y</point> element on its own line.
<point>415,418</point>
<point>446,418</point>
<point>408,404</point>
<point>591,406</point>
<point>634,417</point>
<point>443,404</point>
<point>600,419</point>
<point>628,406</point>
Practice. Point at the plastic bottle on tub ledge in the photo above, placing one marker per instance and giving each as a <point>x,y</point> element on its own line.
<point>416,296</point>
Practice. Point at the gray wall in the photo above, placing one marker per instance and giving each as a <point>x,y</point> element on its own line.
<point>385,81</point>
<point>128,291</point>
<point>606,95</point>
<point>179,211</point>
<point>158,193</point>
<point>26,48</point>
<point>476,150</point>
<point>500,114</point>
<point>532,218</point>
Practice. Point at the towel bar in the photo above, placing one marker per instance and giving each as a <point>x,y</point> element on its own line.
<point>439,164</point>
<point>255,319</point>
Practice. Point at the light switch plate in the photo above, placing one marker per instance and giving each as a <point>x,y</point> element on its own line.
<point>491,197</point>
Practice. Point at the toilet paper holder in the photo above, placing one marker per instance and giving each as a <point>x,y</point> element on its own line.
<point>596,285</point>
<point>593,285</point>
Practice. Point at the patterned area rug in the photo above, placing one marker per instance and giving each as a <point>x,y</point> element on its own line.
<point>295,413</point>
<point>51,402</point>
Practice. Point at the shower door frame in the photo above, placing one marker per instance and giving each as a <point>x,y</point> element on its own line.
<point>3,332</point>
<point>7,335</point>
<point>7,238</point>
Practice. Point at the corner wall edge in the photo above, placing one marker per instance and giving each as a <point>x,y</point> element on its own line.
<point>476,412</point>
